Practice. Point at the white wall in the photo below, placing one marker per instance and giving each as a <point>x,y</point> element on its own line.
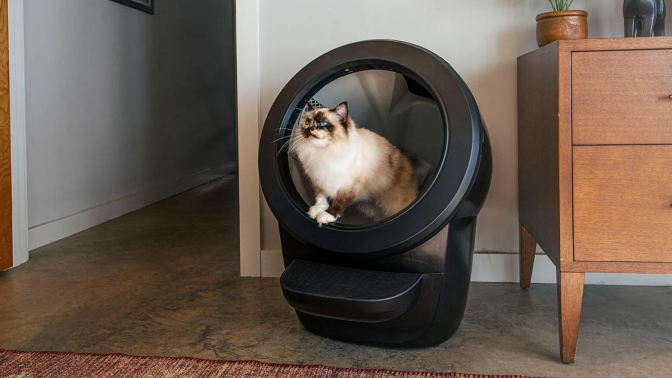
<point>123,108</point>
<point>481,39</point>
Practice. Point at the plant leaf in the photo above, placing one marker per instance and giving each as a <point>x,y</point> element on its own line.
<point>552,5</point>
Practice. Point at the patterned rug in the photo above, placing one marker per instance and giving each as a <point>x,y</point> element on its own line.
<point>67,365</point>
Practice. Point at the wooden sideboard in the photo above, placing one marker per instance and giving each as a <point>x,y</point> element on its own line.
<point>595,163</point>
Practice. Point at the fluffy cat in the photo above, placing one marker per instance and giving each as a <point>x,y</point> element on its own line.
<point>347,165</point>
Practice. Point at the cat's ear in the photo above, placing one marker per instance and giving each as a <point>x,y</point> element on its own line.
<point>310,106</point>
<point>342,111</point>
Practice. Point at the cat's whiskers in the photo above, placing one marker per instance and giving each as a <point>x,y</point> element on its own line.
<point>297,137</point>
<point>281,138</point>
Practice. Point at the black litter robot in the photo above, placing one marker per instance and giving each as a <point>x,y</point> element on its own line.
<point>401,281</point>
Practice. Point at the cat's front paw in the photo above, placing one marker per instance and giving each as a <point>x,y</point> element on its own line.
<point>314,211</point>
<point>325,218</point>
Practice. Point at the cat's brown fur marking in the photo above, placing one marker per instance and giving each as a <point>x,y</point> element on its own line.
<point>341,202</point>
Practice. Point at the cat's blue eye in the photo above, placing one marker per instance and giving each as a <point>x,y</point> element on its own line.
<point>307,123</point>
<point>323,124</point>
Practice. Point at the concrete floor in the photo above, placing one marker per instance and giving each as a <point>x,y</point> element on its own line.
<point>164,281</point>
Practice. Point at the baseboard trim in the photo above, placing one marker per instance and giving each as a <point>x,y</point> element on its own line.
<point>49,232</point>
<point>503,267</point>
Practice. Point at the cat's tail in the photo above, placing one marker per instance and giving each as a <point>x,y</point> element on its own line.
<point>420,167</point>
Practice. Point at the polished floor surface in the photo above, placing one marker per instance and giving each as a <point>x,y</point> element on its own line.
<point>163,281</point>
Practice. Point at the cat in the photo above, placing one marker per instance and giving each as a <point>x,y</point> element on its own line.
<point>347,164</point>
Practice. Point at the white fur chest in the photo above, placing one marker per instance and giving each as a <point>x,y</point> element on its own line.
<point>331,169</point>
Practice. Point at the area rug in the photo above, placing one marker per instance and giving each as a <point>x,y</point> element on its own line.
<point>68,365</point>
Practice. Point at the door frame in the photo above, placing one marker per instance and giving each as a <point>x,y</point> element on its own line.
<point>17,98</point>
<point>248,121</point>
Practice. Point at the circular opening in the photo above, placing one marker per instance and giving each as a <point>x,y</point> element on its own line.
<point>391,104</point>
<point>437,205</point>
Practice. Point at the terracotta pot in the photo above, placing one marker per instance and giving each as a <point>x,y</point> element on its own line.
<point>554,26</point>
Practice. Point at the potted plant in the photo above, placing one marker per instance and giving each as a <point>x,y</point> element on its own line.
<point>562,23</point>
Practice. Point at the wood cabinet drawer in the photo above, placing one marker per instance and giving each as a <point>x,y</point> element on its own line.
<point>623,203</point>
<point>622,97</point>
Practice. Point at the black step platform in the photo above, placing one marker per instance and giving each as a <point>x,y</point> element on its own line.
<point>349,294</point>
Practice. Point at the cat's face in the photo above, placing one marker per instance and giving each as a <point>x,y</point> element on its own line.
<point>323,127</point>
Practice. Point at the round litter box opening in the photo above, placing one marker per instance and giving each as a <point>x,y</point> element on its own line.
<point>449,145</point>
<point>392,105</point>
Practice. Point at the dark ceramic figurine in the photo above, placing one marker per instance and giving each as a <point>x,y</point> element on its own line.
<point>644,18</point>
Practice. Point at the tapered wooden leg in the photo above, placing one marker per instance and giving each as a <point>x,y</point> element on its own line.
<point>528,247</point>
<point>570,296</point>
